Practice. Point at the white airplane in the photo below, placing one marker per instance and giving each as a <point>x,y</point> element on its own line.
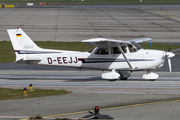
<point>117,56</point>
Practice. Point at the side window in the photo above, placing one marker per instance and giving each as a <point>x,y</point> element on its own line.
<point>132,48</point>
<point>115,50</point>
<point>124,49</point>
<point>90,51</point>
<point>102,51</point>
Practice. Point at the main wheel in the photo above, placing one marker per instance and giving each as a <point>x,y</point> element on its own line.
<point>152,79</point>
<point>123,78</point>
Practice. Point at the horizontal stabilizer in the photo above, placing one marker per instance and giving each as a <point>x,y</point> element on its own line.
<point>27,61</point>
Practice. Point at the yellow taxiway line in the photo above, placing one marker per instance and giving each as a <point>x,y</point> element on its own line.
<point>112,108</point>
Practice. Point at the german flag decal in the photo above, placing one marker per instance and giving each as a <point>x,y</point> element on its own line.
<point>18,35</point>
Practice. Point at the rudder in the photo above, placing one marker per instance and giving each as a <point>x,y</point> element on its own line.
<point>21,43</point>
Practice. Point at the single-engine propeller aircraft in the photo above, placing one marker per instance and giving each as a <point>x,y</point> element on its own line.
<point>117,56</point>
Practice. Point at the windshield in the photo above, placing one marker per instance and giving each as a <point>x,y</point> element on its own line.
<point>138,47</point>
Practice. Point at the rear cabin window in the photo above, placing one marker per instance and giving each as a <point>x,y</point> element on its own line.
<point>115,50</point>
<point>102,51</point>
<point>90,51</point>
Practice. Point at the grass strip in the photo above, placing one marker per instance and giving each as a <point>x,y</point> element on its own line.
<point>159,46</point>
<point>9,94</point>
<point>7,54</point>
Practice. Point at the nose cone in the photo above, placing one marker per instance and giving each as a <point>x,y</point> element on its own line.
<point>170,54</point>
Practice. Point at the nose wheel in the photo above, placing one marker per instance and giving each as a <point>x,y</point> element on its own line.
<point>112,80</point>
<point>150,76</point>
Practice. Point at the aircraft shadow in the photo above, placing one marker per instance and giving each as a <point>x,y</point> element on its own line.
<point>66,79</point>
<point>71,80</point>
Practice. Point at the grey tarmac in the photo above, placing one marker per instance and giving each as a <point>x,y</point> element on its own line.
<point>76,23</point>
<point>132,99</point>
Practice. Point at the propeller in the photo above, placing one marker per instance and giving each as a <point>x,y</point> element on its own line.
<point>169,63</point>
<point>169,55</point>
<point>169,47</point>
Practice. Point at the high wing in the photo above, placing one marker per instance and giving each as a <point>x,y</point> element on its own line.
<point>103,42</point>
<point>140,40</point>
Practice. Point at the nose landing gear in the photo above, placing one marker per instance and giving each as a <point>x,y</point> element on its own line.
<point>150,75</point>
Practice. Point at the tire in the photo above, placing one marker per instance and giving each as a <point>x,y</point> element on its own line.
<point>123,78</point>
<point>112,80</point>
<point>152,79</point>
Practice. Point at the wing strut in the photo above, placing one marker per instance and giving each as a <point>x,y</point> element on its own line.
<point>119,46</point>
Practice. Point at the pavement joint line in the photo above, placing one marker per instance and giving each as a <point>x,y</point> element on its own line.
<point>13,71</point>
<point>13,116</point>
<point>113,108</point>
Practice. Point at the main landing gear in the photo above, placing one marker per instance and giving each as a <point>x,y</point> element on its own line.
<point>121,78</point>
<point>123,75</point>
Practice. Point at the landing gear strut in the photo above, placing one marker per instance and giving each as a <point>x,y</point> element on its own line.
<point>124,75</point>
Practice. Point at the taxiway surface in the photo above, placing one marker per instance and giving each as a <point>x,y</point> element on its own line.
<point>76,23</point>
<point>135,98</point>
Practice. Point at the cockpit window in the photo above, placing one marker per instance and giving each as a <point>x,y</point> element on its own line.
<point>102,51</point>
<point>132,48</point>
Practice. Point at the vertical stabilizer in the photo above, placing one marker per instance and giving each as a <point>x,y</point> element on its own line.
<point>21,43</point>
